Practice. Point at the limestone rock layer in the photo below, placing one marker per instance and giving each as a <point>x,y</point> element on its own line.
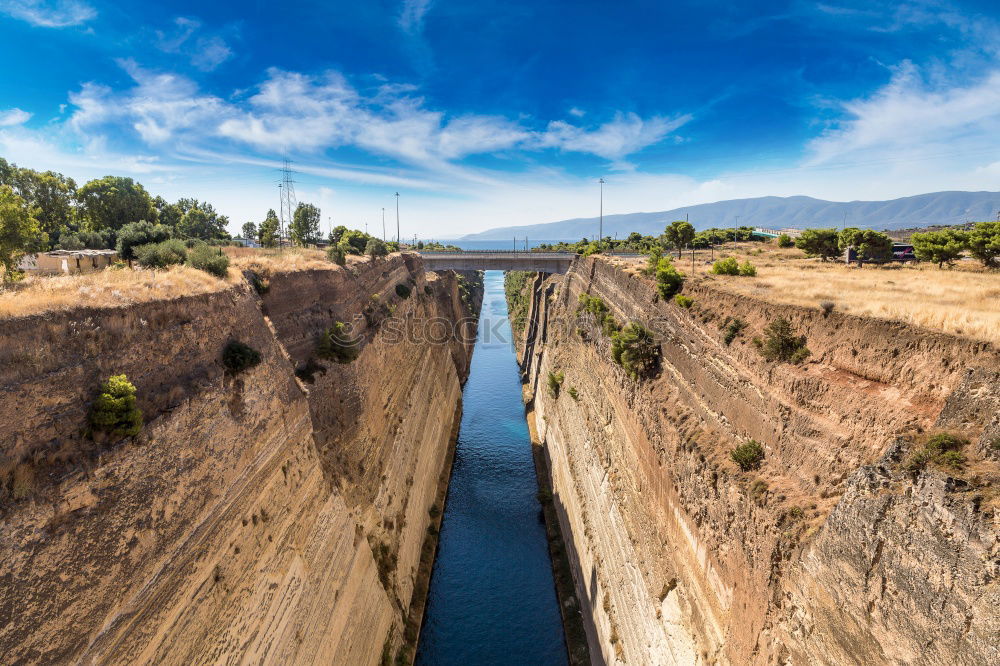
<point>832,552</point>
<point>259,517</point>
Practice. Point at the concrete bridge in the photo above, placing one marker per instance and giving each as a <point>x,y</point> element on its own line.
<point>498,260</point>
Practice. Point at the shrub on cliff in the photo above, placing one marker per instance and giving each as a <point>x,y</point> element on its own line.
<point>781,344</point>
<point>597,307</point>
<point>555,382</point>
<point>337,344</point>
<point>402,291</point>
<point>237,357</point>
<point>161,255</point>
<point>337,254</point>
<point>376,249</point>
<point>115,413</point>
<point>209,259</point>
<point>731,327</point>
<point>942,448</point>
<point>668,280</point>
<point>635,350</point>
<point>748,455</point>
<point>683,301</point>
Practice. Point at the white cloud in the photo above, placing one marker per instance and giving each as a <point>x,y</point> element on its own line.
<point>411,19</point>
<point>55,14</point>
<point>205,52</point>
<point>13,116</point>
<point>614,140</point>
<point>910,116</point>
<point>579,113</point>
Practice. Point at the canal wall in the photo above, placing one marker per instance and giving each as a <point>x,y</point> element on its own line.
<point>277,515</point>
<point>833,550</point>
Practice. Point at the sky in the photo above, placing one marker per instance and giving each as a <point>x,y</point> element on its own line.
<point>490,113</point>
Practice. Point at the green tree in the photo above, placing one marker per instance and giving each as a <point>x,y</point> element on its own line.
<point>784,240</point>
<point>679,233</point>
<point>19,232</point>
<point>336,234</point>
<point>267,232</point>
<point>167,213</point>
<point>199,220</point>
<point>337,254</point>
<point>819,243</point>
<point>249,230</point>
<point>115,412</point>
<point>940,247</point>
<point>134,234</point>
<point>870,245</point>
<point>112,202</point>
<point>51,194</point>
<point>356,240</point>
<point>984,243</point>
<point>304,229</point>
<point>375,249</point>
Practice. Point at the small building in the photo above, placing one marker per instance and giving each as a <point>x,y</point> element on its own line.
<point>68,261</point>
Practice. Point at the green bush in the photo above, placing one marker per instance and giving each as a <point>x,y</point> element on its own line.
<point>555,382</point>
<point>209,259</point>
<point>337,344</point>
<point>747,269</point>
<point>821,243</point>
<point>161,255</point>
<point>115,412</point>
<point>781,344</point>
<point>748,455</point>
<point>683,301</point>
<point>784,240</point>
<point>727,266</point>
<point>597,307</point>
<point>655,254</point>
<point>942,448</point>
<point>940,247</point>
<point>731,328</point>
<point>402,291</point>
<point>573,393</point>
<point>136,234</point>
<point>944,441</point>
<point>634,349</point>
<point>237,357</point>
<point>375,249</point>
<point>336,254</point>
<point>668,280</point>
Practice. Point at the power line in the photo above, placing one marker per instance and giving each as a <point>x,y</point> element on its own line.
<point>288,203</point>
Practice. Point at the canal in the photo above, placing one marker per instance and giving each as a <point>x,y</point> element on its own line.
<point>492,598</point>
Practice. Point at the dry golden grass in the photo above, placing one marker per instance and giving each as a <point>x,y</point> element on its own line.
<point>288,260</point>
<point>961,301</point>
<point>109,288</point>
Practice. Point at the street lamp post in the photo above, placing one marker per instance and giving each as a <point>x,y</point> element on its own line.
<point>600,226</point>
<point>397,220</point>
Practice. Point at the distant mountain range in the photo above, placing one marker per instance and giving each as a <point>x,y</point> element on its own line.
<point>774,212</point>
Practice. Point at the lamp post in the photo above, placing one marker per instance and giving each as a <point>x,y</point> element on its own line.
<point>397,220</point>
<point>600,226</point>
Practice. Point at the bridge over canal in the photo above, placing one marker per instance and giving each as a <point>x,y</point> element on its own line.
<point>498,260</point>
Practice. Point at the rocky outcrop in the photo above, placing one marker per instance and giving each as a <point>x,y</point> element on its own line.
<point>258,517</point>
<point>833,551</point>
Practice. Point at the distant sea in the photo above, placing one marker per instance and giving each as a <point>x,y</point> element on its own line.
<point>496,244</point>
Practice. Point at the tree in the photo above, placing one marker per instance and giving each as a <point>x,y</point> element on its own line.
<point>336,234</point>
<point>51,194</point>
<point>167,214</point>
<point>112,202</point>
<point>304,229</point>
<point>134,234</point>
<point>356,241</point>
<point>679,233</point>
<point>267,233</point>
<point>249,230</point>
<point>115,412</point>
<point>819,243</point>
<point>784,240</point>
<point>871,245</point>
<point>376,249</point>
<point>940,247</point>
<point>19,232</point>
<point>984,243</point>
<point>199,220</point>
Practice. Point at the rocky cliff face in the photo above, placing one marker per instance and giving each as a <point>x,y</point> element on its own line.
<point>833,551</point>
<point>258,517</point>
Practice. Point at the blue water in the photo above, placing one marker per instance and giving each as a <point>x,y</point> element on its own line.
<point>492,598</point>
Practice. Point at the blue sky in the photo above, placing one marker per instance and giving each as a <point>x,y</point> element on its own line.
<point>493,113</point>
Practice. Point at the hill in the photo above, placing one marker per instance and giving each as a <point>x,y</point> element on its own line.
<point>775,212</point>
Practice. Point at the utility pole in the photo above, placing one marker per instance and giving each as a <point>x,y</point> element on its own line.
<point>397,219</point>
<point>288,203</point>
<point>600,227</point>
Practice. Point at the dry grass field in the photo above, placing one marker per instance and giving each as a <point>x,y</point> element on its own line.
<point>109,288</point>
<point>964,300</point>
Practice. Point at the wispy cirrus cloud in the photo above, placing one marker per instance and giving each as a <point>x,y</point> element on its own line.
<point>411,18</point>
<point>12,117</point>
<point>205,52</point>
<point>49,14</point>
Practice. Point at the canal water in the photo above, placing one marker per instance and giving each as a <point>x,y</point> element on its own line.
<point>492,599</point>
